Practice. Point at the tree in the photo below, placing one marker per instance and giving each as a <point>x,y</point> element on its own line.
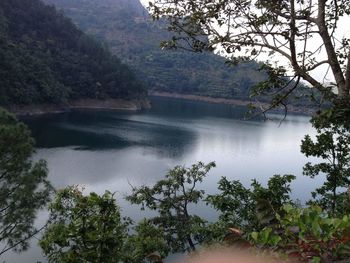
<point>84,228</point>
<point>146,245</point>
<point>332,145</point>
<point>171,198</point>
<point>304,33</point>
<point>297,31</point>
<point>24,188</point>
<point>243,208</point>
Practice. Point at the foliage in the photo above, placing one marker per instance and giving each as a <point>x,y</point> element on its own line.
<point>147,243</point>
<point>84,228</point>
<point>282,31</point>
<point>46,59</point>
<point>332,145</point>
<point>307,234</point>
<point>24,188</point>
<point>243,208</point>
<point>171,198</point>
<point>266,218</point>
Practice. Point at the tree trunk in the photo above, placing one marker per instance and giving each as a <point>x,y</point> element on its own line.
<point>343,92</point>
<point>331,54</point>
<point>190,242</point>
<point>334,200</point>
<point>346,89</point>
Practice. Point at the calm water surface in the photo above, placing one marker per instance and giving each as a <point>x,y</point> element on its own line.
<point>113,150</point>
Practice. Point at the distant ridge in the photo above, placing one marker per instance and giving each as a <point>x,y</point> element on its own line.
<point>132,6</point>
<point>132,35</point>
<point>126,27</point>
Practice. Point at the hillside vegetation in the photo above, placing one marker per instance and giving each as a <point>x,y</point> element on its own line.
<point>129,32</point>
<point>45,58</point>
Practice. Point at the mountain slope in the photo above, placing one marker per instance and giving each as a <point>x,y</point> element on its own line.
<point>45,58</point>
<point>129,32</point>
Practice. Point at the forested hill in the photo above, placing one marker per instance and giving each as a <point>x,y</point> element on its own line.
<point>126,27</point>
<point>45,58</point>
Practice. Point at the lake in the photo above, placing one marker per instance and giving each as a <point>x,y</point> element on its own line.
<point>114,150</point>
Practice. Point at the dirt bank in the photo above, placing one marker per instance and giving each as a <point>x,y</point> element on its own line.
<point>82,104</point>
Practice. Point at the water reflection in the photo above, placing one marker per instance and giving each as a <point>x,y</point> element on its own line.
<point>111,150</point>
<point>195,109</point>
<point>104,131</point>
<point>105,148</point>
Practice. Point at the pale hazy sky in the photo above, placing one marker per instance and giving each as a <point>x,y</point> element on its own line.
<point>144,2</point>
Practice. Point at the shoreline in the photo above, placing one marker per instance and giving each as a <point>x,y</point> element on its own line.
<point>233,102</point>
<point>137,105</point>
<point>199,98</point>
<point>82,104</point>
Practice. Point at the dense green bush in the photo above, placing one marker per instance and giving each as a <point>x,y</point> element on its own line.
<point>307,234</point>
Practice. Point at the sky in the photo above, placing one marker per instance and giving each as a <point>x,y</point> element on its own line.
<point>144,2</point>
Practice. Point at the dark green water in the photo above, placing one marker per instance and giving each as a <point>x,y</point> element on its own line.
<point>111,150</point>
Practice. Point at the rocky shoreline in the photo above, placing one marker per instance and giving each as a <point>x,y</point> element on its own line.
<point>82,104</point>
